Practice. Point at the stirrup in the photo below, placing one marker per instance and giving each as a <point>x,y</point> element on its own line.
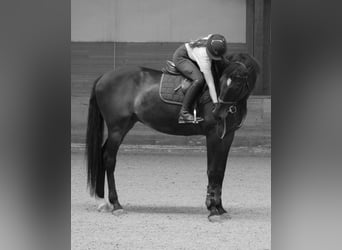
<point>182,120</point>
<point>196,119</point>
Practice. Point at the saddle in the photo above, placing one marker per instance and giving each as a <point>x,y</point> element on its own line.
<point>173,86</point>
<point>170,68</point>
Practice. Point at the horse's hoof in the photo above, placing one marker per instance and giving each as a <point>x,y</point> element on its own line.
<point>118,212</point>
<point>221,210</point>
<point>105,207</point>
<point>219,218</point>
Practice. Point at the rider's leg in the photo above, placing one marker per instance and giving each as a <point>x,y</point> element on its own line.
<point>185,115</point>
<point>185,65</point>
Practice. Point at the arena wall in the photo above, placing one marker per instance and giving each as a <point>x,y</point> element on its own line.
<point>107,34</point>
<point>156,20</point>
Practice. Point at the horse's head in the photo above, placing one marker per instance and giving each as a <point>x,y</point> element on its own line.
<point>237,81</point>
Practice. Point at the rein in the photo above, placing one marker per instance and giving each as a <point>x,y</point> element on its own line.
<point>224,129</point>
<point>231,109</point>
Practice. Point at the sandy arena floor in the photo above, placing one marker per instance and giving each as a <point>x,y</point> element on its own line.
<point>163,195</point>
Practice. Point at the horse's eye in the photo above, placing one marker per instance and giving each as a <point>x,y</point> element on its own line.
<point>229,81</point>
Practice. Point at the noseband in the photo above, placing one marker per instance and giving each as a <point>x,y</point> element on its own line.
<point>232,105</point>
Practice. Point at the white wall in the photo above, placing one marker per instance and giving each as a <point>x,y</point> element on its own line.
<point>157,20</point>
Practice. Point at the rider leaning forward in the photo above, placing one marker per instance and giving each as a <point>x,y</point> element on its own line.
<point>201,52</point>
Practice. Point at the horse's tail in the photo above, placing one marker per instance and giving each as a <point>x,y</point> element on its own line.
<point>94,146</point>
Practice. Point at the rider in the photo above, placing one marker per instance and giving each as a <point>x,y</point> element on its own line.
<point>200,52</point>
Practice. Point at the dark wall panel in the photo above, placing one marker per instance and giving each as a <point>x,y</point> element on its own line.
<point>154,54</point>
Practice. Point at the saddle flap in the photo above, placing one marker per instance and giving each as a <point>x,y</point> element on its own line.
<point>172,89</point>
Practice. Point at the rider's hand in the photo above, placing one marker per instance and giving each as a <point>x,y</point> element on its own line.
<point>215,111</point>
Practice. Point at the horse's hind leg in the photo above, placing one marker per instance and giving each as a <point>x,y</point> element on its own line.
<point>100,178</point>
<point>115,137</point>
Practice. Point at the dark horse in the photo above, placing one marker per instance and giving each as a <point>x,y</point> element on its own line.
<point>122,97</point>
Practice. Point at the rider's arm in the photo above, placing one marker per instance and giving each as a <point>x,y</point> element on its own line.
<point>210,82</point>
<point>204,64</point>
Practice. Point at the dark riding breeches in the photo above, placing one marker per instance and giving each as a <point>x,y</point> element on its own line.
<point>188,67</point>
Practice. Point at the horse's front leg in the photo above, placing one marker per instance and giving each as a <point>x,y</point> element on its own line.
<point>217,153</point>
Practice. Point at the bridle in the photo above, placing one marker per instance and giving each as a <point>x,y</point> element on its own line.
<point>232,106</point>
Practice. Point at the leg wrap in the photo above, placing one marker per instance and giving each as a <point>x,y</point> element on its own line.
<point>213,197</point>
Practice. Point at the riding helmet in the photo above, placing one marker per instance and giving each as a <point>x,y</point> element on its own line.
<point>216,47</point>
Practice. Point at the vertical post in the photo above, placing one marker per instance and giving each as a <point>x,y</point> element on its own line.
<point>258,42</point>
<point>261,44</point>
<point>267,47</point>
<point>250,26</point>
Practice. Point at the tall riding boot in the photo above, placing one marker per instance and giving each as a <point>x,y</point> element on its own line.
<point>184,115</point>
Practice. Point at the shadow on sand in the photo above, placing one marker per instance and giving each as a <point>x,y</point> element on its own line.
<point>165,209</point>
<point>236,212</point>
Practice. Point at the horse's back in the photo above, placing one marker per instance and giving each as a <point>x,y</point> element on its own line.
<point>117,90</point>
<point>117,77</point>
<point>127,77</point>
